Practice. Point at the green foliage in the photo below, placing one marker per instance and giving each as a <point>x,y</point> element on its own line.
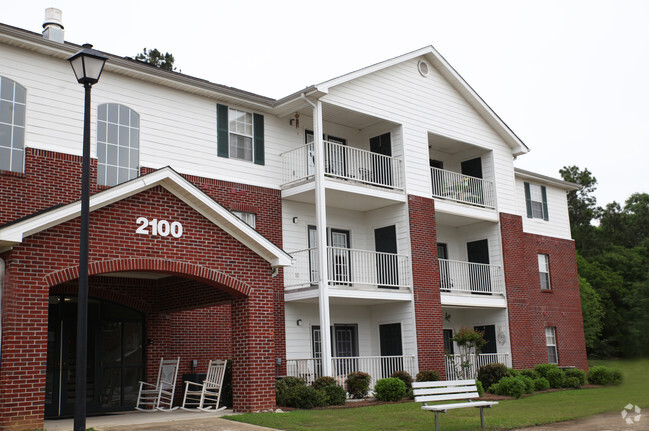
<point>510,387</point>
<point>305,397</point>
<point>637,302</point>
<point>284,390</point>
<point>592,313</point>
<point>512,372</point>
<point>357,384</point>
<point>390,389</point>
<point>334,395</point>
<point>580,375</point>
<point>323,381</point>
<point>571,382</point>
<point>601,375</point>
<point>470,338</point>
<point>529,373</point>
<point>427,376</point>
<point>490,374</point>
<point>541,384</point>
<point>405,377</point>
<point>478,385</point>
<point>582,207</point>
<point>529,383</point>
<point>157,58</point>
<point>552,373</point>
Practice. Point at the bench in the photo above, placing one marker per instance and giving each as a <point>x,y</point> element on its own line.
<point>426,392</point>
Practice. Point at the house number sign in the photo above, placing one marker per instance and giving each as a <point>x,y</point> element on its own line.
<point>159,227</point>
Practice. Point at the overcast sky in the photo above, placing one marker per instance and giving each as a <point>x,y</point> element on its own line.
<point>570,78</point>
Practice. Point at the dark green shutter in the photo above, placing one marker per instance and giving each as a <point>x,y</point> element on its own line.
<point>258,136</point>
<point>545,204</point>
<point>222,132</point>
<point>528,200</point>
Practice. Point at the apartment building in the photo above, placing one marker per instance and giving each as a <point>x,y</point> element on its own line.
<point>383,204</point>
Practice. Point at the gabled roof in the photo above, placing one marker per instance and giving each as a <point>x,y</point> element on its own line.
<point>14,233</point>
<point>454,79</point>
<point>528,175</point>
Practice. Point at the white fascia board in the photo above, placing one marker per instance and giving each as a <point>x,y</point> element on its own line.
<point>555,182</point>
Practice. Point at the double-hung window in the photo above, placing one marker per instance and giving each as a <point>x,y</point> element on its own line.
<point>536,201</point>
<point>118,144</point>
<point>544,271</point>
<point>240,134</point>
<point>12,125</point>
<point>551,344</point>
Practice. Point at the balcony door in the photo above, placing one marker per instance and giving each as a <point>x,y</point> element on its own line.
<point>473,168</point>
<point>381,166</point>
<point>391,348</point>
<point>335,157</point>
<point>444,275</point>
<point>339,261</point>
<point>479,275</point>
<point>489,335</point>
<point>387,266</point>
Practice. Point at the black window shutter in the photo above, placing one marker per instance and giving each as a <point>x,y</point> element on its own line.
<point>222,132</point>
<point>545,204</point>
<point>528,200</point>
<point>258,136</point>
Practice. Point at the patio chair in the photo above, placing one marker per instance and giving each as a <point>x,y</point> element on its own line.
<point>206,395</point>
<point>159,396</point>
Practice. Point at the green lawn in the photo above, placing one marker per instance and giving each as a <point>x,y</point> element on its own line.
<point>508,414</point>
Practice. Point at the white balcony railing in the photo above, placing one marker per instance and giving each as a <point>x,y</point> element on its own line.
<point>456,371</point>
<point>343,162</point>
<point>462,188</point>
<point>378,367</point>
<point>467,277</point>
<point>349,267</point>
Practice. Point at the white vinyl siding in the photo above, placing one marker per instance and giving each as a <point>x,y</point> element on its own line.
<point>558,224</point>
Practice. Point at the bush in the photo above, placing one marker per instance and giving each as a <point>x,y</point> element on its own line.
<point>512,372</point>
<point>529,384</point>
<point>305,397</point>
<point>427,376</point>
<point>551,372</point>
<point>541,384</point>
<point>491,374</point>
<point>478,385</point>
<point>390,389</point>
<point>334,395</point>
<point>405,377</point>
<point>509,386</point>
<point>283,390</point>
<point>604,376</point>
<point>571,382</point>
<point>323,382</point>
<point>580,375</point>
<point>529,373</point>
<point>357,384</point>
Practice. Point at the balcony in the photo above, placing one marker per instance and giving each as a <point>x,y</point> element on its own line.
<point>455,370</point>
<point>378,367</point>
<point>462,189</point>
<point>352,273</point>
<point>471,284</point>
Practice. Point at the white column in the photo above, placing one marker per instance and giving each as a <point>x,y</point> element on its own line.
<point>321,225</point>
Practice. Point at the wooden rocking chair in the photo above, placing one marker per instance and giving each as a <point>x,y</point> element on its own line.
<point>206,395</point>
<point>159,396</point>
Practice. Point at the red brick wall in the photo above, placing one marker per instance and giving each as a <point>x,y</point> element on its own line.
<point>425,275</point>
<point>216,271</point>
<point>530,309</point>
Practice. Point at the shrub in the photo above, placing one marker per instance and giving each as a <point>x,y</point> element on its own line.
<point>322,382</point>
<point>334,395</point>
<point>529,373</point>
<point>604,376</point>
<point>427,376</point>
<point>551,372</point>
<point>512,372</point>
<point>509,386</point>
<point>283,389</point>
<point>541,384</point>
<point>491,373</point>
<point>580,375</point>
<point>305,397</point>
<point>529,384</point>
<point>571,382</point>
<point>390,389</point>
<point>478,385</point>
<point>405,377</point>
<point>357,384</point>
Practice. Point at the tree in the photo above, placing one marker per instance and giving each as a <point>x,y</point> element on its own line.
<point>581,206</point>
<point>156,58</point>
<point>592,313</point>
<point>470,343</point>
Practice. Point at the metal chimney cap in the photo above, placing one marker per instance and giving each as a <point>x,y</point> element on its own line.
<point>53,16</point>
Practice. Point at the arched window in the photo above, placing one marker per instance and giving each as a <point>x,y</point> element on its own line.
<point>118,144</point>
<point>12,125</point>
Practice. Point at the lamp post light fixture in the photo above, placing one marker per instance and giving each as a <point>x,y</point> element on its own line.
<point>87,65</point>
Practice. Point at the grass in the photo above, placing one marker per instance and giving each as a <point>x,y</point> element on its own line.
<point>508,414</point>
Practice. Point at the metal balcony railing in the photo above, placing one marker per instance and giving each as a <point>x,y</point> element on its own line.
<point>467,277</point>
<point>462,188</point>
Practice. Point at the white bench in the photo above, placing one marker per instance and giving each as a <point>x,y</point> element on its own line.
<point>426,392</point>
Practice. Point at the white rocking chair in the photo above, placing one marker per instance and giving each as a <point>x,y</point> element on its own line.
<point>205,396</point>
<point>159,396</point>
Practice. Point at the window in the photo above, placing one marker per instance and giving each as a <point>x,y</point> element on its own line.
<point>536,201</point>
<point>240,134</point>
<point>118,143</point>
<point>551,343</point>
<point>12,125</point>
<point>249,218</point>
<point>544,271</point>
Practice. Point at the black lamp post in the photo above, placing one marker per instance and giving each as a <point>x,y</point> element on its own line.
<point>87,65</point>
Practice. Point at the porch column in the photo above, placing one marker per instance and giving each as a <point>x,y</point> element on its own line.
<point>321,224</point>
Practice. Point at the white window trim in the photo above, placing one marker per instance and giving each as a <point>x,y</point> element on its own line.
<point>237,133</point>
<point>544,271</point>
<point>248,217</point>
<point>551,343</point>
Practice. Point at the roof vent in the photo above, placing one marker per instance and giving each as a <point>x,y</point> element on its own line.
<point>423,68</point>
<point>53,25</point>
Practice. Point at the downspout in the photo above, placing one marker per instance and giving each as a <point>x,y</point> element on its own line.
<point>321,230</point>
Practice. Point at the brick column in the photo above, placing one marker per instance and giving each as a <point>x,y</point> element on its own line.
<point>425,277</point>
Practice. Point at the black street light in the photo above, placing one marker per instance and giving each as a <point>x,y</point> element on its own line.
<point>87,65</point>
